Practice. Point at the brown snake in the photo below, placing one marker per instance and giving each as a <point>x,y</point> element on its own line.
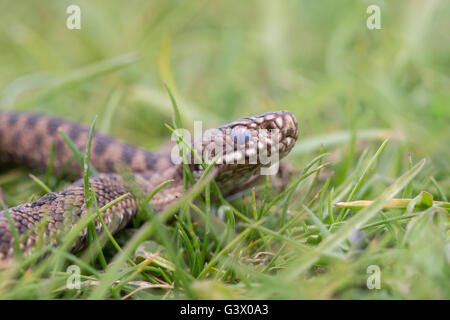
<point>26,139</point>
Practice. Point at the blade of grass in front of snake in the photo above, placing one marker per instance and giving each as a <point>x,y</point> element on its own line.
<point>197,260</point>
<point>64,174</point>
<point>86,164</point>
<point>98,247</point>
<point>82,223</point>
<point>177,124</point>
<point>55,260</point>
<point>216,189</point>
<point>89,196</point>
<point>144,232</point>
<point>145,203</point>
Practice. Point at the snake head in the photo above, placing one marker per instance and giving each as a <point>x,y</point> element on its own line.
<point>247,145</point>
<point>272,132</point>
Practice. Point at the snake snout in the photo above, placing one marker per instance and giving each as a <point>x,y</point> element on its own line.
<point>286,122</point>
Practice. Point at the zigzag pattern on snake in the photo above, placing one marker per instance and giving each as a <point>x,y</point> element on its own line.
<point>26,139</point>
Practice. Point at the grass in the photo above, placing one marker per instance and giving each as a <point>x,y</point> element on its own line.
<point>357,199</point>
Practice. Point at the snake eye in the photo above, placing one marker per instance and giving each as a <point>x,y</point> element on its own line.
<point>240,135</point>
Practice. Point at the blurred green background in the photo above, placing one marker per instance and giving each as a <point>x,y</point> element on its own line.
<point>228,59</point>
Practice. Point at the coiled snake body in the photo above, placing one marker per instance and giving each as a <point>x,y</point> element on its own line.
<point>27,138</point>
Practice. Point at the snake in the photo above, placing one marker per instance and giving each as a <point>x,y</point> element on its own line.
<point>31,139</point>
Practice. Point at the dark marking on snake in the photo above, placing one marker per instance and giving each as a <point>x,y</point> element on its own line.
<point>38,138</point>
<point>128,153</point>
<point>100,147</point>
<point>31,121</point>
<point>13,119</point>
<point>74,132</point>
<point>53,125</point>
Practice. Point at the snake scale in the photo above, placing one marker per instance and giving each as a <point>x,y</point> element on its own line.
<point>27,138</point>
